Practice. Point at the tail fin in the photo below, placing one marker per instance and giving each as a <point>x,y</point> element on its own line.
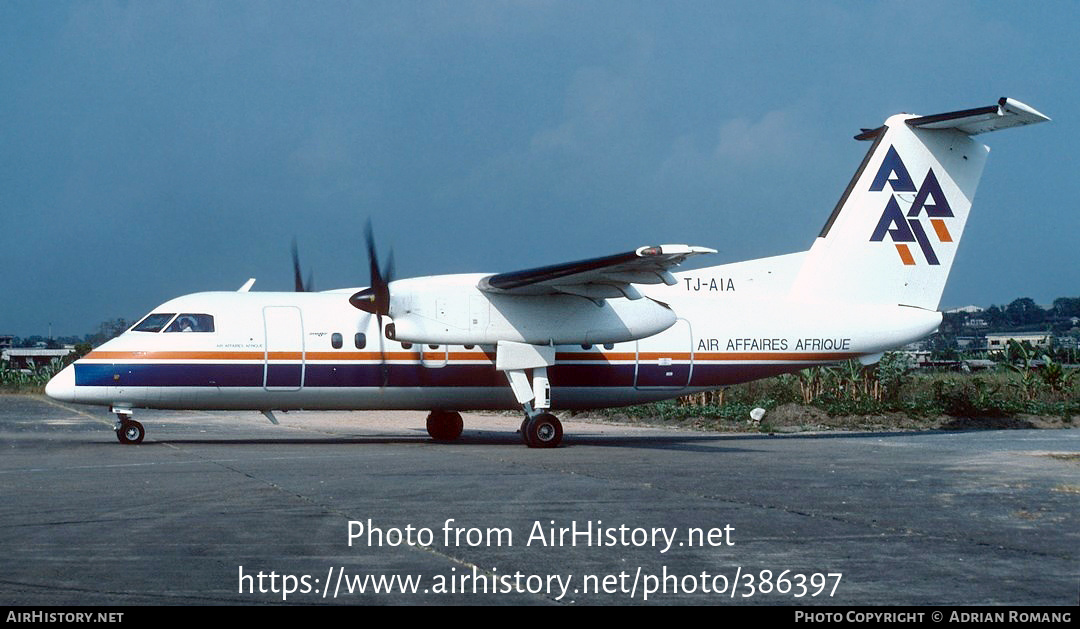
<point>893,235</point>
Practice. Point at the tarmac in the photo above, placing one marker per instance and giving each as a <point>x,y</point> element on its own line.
<point>336,508</point>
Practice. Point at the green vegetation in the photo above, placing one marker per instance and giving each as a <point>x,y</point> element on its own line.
<point>890,387</point>
<point>32,379</point>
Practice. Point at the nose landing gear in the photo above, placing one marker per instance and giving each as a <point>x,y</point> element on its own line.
<point>128,431</point>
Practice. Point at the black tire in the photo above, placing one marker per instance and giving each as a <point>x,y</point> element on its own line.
<point>444,425</point>
<point>130,432</point>
<point>543,431</point>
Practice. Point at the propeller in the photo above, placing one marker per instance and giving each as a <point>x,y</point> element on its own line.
<point>376,298</point>
<point>301,287</point>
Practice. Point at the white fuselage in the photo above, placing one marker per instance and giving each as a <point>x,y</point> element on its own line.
<point>282,351</point>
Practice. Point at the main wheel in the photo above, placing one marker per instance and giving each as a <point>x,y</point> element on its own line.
<point>130,432</point>
<point>543,431</point>
<point>444,425</point>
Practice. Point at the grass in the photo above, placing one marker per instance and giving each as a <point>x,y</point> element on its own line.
<point>851,391</point>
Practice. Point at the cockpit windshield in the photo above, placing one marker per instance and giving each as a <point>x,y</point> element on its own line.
<point>184,322</point>
<point>192,323</point>
<point>154,322</point>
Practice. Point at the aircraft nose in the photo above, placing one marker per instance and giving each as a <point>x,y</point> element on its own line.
<point>62,386</point>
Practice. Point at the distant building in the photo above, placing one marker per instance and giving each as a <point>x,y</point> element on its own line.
<point>915,357</point>
<point>29,357</point>
<point>965,309</point>
<point>6,341</point>
<point>999,341</point>
<point>1066,342</point>
<point>967,342</point>
<point>918,346</point>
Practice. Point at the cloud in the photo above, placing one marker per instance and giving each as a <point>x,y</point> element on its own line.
<point>771,137</point>
<point>599,108</point>
<point>739,145</point>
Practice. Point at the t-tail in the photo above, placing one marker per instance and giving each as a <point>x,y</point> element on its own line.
<point>893,236</point>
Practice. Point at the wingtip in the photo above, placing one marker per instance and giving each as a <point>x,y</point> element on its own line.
<point>668,250</point>
<point>1015,106</point>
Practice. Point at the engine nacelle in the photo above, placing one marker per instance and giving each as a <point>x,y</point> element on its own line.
<point>450,309</point>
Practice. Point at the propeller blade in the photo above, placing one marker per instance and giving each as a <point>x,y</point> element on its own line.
<point>365,326</point>
<point>373,259</point>
<point>376,298</point>
<point>298,281</point>
<point>382,353</point>
<point>388,270</point>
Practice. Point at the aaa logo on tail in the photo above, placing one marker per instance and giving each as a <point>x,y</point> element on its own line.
<point>904,229</point>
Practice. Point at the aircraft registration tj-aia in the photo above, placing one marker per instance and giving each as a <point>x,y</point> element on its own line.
<point>610,331</point>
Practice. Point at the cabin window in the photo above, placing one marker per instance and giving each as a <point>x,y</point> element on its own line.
<point>360,340</point>
<point>586,346</point>
<point>433,347</point>
<point>189,322</point>
<point>335,340</point>
<point>406,346</point>
<point>154,322</point>
<point>609,346</point>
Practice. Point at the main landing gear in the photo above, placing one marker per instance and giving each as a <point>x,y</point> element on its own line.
<point>543,430</point>
<point>444,425</point>
<point>540,430</point>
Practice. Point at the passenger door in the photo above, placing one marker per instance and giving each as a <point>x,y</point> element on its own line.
<point>284,349</point>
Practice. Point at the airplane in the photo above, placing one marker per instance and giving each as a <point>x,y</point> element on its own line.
<point>609,331</point>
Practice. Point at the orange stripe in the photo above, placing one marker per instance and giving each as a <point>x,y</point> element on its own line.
<point>942,231</point>
<point>473,356</point>
<point>787,356</point>
<point>192,355</point>
<point>905,254</point>
<point>99,355</point>
<point>704,356</point>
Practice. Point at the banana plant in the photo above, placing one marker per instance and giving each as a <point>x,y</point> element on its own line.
<point>1028,377</point>
<point>1055,376</point>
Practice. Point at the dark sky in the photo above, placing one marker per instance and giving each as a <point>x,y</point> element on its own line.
<point>149,149</point>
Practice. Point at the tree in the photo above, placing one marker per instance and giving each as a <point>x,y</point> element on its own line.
<point>1066,307</point>
<point>995,317</point>
<point>1024,311</point>
<point>107,330</point>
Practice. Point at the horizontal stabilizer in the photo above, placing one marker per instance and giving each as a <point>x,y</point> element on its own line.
<point>1006,113</point>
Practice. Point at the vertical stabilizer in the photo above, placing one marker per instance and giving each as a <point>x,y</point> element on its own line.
<point>893,236</point>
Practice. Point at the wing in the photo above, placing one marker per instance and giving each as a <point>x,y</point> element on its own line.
<point>596,278</point>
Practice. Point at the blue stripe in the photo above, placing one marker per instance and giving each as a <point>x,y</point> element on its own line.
<point>397,375</point>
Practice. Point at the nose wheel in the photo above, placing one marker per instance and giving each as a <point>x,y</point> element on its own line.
<point>130,432</point>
